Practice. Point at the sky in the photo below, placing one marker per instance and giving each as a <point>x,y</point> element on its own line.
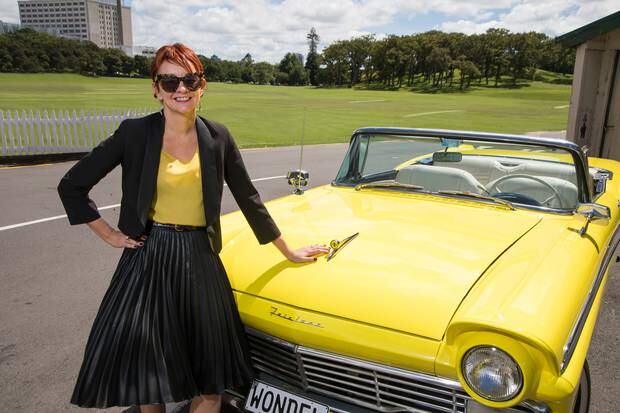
<point>268,29</point>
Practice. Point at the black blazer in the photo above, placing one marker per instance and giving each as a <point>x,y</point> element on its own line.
<point>136,145</point>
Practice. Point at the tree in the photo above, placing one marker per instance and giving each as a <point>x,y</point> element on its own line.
<point>393,60</point>
<point>247,60</point>
<point>523,52</point>
<point>312,60</point>
<point>292,67</point>
<point>127,66</point>
<point>214,69</point>
<point>497,53</point>
<point>91,60</point>
<point>6,60</point>
<point>467,69</point>
<point>231,71</point>
<point>264,73</point>
<point>358,49</point>
<point>113,62</point>
<point>246,68</point>
<point>142,65</point>
<point>335,57</point>
<point>439,61</point>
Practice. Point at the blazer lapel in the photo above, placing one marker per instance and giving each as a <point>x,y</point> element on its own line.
<point>150,166</point>
<point>208,171</point>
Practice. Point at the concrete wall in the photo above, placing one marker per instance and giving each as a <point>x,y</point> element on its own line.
<point>594,114</point>
<point>94,30</point>
<point>127,39</point>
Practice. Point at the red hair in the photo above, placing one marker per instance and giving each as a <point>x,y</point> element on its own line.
<point>176,53</point>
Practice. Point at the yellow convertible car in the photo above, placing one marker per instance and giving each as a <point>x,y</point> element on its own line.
<point>465,274</point>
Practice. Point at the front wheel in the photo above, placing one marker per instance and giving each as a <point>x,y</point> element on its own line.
<point>582,402</point>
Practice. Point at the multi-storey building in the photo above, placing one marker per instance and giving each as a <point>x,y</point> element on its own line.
<point>107,23</point>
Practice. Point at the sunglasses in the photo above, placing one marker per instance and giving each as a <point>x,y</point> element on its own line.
<point>170,83</point>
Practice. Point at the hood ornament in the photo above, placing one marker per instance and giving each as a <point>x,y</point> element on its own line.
<point>335,246</point>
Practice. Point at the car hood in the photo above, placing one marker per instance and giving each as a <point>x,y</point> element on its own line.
<point>414,260</point>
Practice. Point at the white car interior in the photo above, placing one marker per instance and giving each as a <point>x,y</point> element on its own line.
<point>440,178</point>
<point>551,184</point>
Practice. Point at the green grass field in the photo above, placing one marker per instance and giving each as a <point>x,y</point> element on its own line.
<point>273,115</point>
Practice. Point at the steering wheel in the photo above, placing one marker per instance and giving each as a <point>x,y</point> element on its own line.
<point>494,187</point>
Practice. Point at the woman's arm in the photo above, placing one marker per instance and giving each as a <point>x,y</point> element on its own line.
<point>256,213</point>
<point>246,195</point>
<point>78,181</point>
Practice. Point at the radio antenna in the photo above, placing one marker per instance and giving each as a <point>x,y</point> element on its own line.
<point>299,178</point>
<point>303,132</point>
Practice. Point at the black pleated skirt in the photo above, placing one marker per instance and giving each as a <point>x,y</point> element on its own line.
<point>167,330</point>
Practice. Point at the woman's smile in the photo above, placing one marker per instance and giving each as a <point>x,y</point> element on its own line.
<point>182,99</point>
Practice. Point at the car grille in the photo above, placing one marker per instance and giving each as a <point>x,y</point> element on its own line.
<point>366,384</point>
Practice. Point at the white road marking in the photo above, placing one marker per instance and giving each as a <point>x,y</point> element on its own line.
<point>267,178</point>
<point>561,107</point>
<point>38,221</point>
<point>411,115</point>
<point>367,101</point>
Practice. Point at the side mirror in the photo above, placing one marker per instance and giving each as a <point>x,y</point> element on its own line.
<point>593,212</point>
<point>298,179</point>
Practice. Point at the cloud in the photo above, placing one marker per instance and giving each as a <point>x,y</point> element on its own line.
<point>9,12</point>
<point>554,17</point>
<point>268,29</point>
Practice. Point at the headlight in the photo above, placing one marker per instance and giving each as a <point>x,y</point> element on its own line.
<point>492,373</point>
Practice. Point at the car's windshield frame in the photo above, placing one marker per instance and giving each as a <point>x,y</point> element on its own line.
<point>584,185</point>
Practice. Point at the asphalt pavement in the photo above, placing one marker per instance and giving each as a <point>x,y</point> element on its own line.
<point>53,276</point>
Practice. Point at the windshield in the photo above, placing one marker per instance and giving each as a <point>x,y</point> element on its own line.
<point>521,174</point>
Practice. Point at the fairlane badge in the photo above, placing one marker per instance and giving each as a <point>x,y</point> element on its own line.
<point>275,311</point>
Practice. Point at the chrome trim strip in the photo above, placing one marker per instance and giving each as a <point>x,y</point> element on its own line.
<point>271,339</point>
<point>317,371</point>
<point>272,364</point>
<point>337,385</point>
<point>360,402</point>
<point>392,384</point>
<point>573,338</point>
<point>450,388</point>
<point>376,384</point>
<point>351,385</point>
<point>274,355</point>
<point>413,393</point>
<point>440,381</point>
<point>279,374</point>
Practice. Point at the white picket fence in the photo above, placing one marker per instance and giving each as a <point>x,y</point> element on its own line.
<point>62,131</point>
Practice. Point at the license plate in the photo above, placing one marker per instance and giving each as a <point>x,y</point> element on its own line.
<point>264,398</point>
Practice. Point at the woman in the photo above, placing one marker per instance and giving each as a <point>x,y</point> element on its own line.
<point>168,329</point>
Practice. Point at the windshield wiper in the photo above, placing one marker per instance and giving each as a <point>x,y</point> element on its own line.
<point>479,196</point>
<point>390,184</point>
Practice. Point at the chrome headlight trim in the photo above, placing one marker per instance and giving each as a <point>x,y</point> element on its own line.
<point>503,360</point>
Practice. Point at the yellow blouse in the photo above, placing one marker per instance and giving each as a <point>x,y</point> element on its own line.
<point>178,198</point>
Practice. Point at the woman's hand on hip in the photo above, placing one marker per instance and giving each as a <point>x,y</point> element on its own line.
<point>119,240</point>
<point>112,236</point>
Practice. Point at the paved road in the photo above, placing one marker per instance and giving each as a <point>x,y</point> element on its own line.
<point>52,278</point>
